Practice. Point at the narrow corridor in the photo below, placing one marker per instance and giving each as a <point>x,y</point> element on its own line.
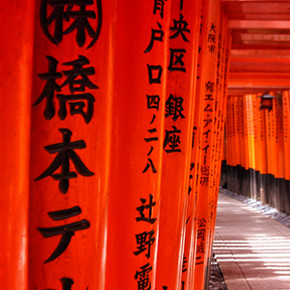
<point>253,250</point>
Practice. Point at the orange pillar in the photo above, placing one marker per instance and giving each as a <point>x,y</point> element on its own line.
<point>15,86</point>
<point>286,137</point>
<point>179,109</point>
<point>191,233</point>
<point>208,93</point>
<point>75,81</point>
<point>140,37</point>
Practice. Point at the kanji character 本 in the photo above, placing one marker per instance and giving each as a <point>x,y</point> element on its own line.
<point>172,140</point>
<point>148,207</point>
<point>50,87</point>
<point>143,276</point>
<point>65,152</point>
<point>156,35</point>
<point>159,6</point>
<point>77,77</point>
<point>153,102</point>
<point>66,231</point>
<point>174,107</point>
<point>144,240</point>
<point>154,78</point>
<point>75,14</point>
<point>176,63</point>
<point>179,28</point>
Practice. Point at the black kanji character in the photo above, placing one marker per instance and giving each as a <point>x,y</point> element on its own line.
<point>65,152</point>
<point>200,248</point>
<point>50,87</point>
<point>212,28</point>
<point>66,231</point>
<point>148,165</point>
<point>148,207</point>
<point>151,131</point>
<point>144,240</point>
<point>75,14</point>
<point>156,35</point>
<point>172,140</point>
<point>201,234</point>
<point>211,38</point>
<point>179,28</point>
<point>159,6</point>
<point>77,77</point>
<point>204,170</point>
<point>176,63</point>
<point>77,105</point>
<point>209,86</point>
<point>201,222</point>
<point>154,78</point>
<point>143,276</point>
<point>174,107</point>
<point>153,102</point>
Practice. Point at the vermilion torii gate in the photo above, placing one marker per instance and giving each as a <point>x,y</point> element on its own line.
<point>112,123</point>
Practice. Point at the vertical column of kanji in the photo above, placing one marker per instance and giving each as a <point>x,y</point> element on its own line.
<point>208,93</point>
<point>139,79</point>
<point>246,133</point>
<point>286,128</point>
<point>17,22</point>
<point>179,109</point>
<point>237,153</point>
<point>256,133</point>
<point>69,143</point>
<point>241,113</point>
<point>250,119</point>
<point>226,55</point>
<point>190,232</point>
<point>278,113</point>
<point>219,115</point>
<point>268,127</point>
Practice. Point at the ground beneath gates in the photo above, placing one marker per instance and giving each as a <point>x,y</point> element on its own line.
<point>251,248</point>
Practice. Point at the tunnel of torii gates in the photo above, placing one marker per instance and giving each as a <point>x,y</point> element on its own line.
<point>112,135</point>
